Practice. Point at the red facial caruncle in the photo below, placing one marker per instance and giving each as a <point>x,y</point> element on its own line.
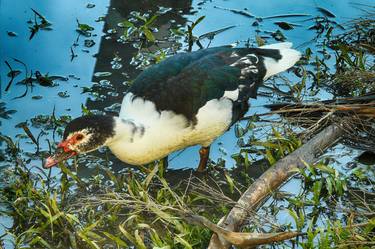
<point>65,150</point>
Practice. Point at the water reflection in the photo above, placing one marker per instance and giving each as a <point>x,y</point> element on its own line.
<point>116,65</point>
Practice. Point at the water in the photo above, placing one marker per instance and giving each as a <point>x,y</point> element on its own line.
<point>49,52</point>
<point>99,73</point>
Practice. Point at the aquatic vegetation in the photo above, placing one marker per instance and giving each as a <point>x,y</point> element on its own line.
<point>84,29</point>
<point>135,209</point>
<point>133,30</point>
<point>35,26</point>
<point>4,113</point>
<point>90,203</point>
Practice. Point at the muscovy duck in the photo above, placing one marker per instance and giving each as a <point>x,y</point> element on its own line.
<point>187,99</point>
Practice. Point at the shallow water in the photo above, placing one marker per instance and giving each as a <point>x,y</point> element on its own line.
<point>49,51</point>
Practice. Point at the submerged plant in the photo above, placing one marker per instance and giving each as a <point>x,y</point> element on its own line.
<point>39,23</point>
<point>132,28</point>
<point>84,29</point>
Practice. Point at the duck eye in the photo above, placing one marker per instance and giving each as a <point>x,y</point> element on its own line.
<point>79,137</point>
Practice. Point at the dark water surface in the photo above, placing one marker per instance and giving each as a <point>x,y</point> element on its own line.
<point>99,74</point>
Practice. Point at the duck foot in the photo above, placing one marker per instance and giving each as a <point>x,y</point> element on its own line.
<point>204,154</point>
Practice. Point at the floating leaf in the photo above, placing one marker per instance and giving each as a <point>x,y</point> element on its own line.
<point>325,12</point>
<point>102,74</point>
<point>29,133</point>
<point>89,43</point>
<point>286,15</point>
<point>43,80</point>
<point>12,75</point>
<point>285,25</point>
<point>85,27</point>
<point>35,26</point>
<point>11,33</point>
<point>260,41</point>
<point>90,5</point>
<point>278,36</point>
<point>63,94</point>
<point>240,12</point>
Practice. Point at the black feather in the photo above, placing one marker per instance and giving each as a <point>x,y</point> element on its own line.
<point>187,81</point>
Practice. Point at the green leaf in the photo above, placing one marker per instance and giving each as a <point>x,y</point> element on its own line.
<point>142,18</point>
<point>91,243</point>
<point>151,20</point>
<point>316,190</point>
<point>298,219</point>
<point>156,240</point>
<point>65,170</point>
<point>127,24</point>
<point>325,168</point>
<point>197,22</point>
<point>294,215</point>
<point>40,240</point>
<point>271,159</point>
<point>85,27</point>
<point>139,240</point>
<point>147,32</point>
<point>73,241</point>
<point>260,41</point>
<point>177,32</point>
<point>150,176</point>
<point>329,185</point>
<point>127,234</point>
<point>180,240</point>
<point>116,239</point>
<point>85,110</point>
<point>371,225</point>
<point>229,181</point>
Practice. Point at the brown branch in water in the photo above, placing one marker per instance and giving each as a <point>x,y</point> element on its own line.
<point>272,179</point>
<point>11,74</point>
<point>29,134</point>
<point>237,238</point>
<point>240,12</point>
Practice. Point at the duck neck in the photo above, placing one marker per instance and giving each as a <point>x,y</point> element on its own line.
<point>126,130</point>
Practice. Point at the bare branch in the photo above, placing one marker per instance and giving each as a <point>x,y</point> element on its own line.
<point>272,179</point>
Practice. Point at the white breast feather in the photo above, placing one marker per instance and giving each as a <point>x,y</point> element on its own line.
<point>166,132</point>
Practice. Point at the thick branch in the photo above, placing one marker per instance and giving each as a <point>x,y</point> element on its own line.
<point>237,238</point>
<point>272,179</point>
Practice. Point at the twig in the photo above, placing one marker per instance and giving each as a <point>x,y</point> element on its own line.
<point>11,74</point>
<point>272,179</point>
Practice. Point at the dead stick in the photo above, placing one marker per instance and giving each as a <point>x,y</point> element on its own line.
<point>272,179</point>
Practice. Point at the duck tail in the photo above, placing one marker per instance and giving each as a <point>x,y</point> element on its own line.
<point>286,58</point>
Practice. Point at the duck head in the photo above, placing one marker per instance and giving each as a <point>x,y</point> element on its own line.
<point>82,135</point>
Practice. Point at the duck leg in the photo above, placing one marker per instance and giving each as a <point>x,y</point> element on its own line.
<point>204,154</point>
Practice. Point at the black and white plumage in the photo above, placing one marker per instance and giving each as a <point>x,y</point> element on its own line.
<point>188,99</point>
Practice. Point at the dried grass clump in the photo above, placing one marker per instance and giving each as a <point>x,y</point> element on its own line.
<point>353,83</point>
<point>355,114</point>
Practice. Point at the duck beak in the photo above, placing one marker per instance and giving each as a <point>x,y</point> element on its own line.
<point>62,153</point>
